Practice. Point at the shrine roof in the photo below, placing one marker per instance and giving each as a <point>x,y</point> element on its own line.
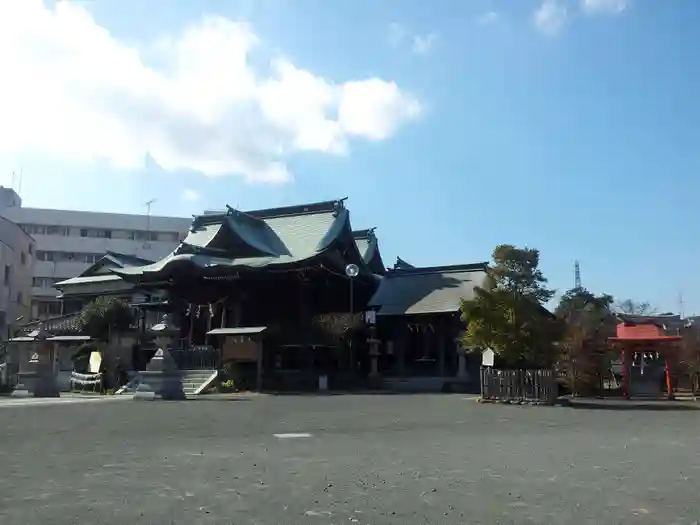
<point>642,332</point>
<point>100,272</point>
<point>368,245</point>
<point>438,289</point>
<point>400,263</point>
<point>278,237</point>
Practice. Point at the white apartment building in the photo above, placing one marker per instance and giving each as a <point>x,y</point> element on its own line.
<point>68,242</point>
<point>17,250</point>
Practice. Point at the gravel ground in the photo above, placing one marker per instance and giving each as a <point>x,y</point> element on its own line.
<point>370,459</point>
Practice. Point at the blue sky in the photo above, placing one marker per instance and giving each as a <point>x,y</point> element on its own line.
<point>573,131</point>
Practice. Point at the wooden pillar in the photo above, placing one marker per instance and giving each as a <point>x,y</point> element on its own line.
<point>401,350</point>
<point>224,307</point>
<point>669,388</point>
<point>237,313</point>
<point>461,359</point>
<point>191,327</point>
<point>625,374</point>
<point>374,356</point>
<point>441,334</point>
<point>259,373</point>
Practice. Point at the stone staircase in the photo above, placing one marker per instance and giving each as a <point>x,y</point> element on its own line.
<point>192,380</point>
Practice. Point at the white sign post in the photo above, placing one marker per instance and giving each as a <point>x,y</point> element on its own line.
<point>487,358</point>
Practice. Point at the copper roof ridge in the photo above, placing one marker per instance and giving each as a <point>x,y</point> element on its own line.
<point>470,267</point>
<point>310,208</point>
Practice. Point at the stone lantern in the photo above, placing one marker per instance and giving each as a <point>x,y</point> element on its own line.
<point>162,377</point>
<point>36,376</point>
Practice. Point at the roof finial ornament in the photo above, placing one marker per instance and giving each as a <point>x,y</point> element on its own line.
<point>230,210</point>
<point>338,205</point>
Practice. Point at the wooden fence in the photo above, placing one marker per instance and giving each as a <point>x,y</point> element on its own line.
<point>519,385</point>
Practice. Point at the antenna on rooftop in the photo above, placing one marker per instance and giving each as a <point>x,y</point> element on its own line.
<point>577,275</point>
<point>148,205</point>
<point>680,303</point>
<point>19,185</point>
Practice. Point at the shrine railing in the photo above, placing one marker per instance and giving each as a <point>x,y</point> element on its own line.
<point>539,385</point>
<point>200,357</point>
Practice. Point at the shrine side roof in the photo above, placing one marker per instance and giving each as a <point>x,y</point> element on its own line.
<point>101,271</point>
<point>368,246</point>
<point>278,237</point>
<point>441,289</point>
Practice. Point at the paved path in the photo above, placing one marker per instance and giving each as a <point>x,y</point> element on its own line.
<point>402,459</point>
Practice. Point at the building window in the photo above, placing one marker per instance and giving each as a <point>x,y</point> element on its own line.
<point>44,282</point>
<point>19,298</point>
<point>49,307</point>
<point>31,249</point>
<point>23,258</point>
<point>8,273</point>
<point>57,230</point>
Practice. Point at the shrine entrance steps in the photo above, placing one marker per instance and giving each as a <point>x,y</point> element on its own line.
<point>196,381</point>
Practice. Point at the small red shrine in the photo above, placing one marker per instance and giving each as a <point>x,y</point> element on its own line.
<point>644,335</point>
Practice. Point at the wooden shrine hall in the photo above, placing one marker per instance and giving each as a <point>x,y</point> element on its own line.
<point>304,275</point>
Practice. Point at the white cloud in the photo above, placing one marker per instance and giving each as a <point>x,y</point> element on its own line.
<point>189,195</point>
<point>550,17</point>
<point>488,18</point>
<point>422,44</point>
<point>397,34</point>
<point>610,7</point>
<point>74,91</point>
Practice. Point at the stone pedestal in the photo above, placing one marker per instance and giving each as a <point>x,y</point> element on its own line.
<point>25,384</point>
<point>375,379</point>
<point>161,379</point>
<point>36,376</point>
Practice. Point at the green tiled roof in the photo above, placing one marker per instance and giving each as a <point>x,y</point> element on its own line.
<point>100,271</point>
<point>413,291</point>
<point>401,264</point>
<point>368,246</point>
<point>279,237</point>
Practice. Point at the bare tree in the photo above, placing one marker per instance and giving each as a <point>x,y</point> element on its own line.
<point>628,306</point>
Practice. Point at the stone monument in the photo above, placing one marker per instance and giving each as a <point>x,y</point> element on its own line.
<point>162,378</point>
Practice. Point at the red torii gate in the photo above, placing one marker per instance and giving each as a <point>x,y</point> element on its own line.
<point>639,337</point>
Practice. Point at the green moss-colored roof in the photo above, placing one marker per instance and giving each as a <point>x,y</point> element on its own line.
<point>100,272</point>
<point>280,238</point>
<point>368,246</point>
<point>413,291</point>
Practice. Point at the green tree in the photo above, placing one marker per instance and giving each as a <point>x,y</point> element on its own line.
<point>507,313</point>
<point>103,316</point>
<point>587,321</point>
